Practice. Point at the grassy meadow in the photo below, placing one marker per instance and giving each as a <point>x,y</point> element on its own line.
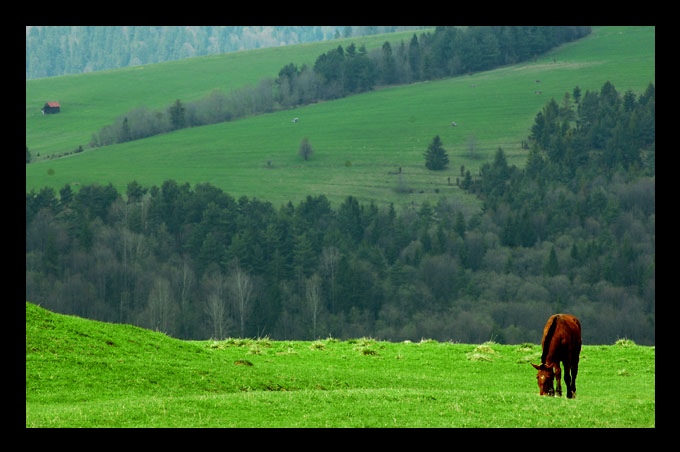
<point>84,373</point>
<point>359,142</point>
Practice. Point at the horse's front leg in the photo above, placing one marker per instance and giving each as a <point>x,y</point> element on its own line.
<point>558,377</point>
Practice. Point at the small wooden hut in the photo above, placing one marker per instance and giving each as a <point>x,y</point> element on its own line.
<point>50,108</point>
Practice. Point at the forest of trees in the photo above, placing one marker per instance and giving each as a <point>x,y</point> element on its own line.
<point>446,52</point>
<point>63,50</point>
<point>573,231</point>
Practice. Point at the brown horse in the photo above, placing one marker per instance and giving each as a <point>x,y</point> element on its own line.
<point>561,343</point>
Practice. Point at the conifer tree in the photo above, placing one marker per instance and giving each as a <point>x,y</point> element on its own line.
<point>552,266</point>
<point>436,157</point>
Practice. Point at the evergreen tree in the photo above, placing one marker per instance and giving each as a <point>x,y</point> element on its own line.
<point>388,65</point>
<point>414,57</point>
<point>177,115</point>
<point>552,266</point>
<point>459,225</point>
<point>436,157</point>
<point>65,195</point>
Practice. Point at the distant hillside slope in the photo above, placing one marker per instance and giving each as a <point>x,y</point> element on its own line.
<point>62,50</point>
<point>354,152</point>
<point>91,101</point>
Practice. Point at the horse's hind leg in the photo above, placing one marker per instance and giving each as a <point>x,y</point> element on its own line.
<point>571,389</point>
<point>568,381</point>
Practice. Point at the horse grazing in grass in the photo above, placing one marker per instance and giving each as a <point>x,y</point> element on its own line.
<point>561,343</point>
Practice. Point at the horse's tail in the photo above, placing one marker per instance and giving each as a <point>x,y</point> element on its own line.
<point>548,338</point>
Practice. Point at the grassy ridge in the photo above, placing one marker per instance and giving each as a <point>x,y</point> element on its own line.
<point>361,141</point>
<point>84,373</point>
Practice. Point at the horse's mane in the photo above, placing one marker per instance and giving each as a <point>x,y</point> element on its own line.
<point>548,339</point>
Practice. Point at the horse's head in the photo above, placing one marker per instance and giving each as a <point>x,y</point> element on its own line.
<point>545,378</point>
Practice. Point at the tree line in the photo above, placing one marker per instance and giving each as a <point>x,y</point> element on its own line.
<point>63,50</point>
<point>573,231</point>
<point>446,52</point>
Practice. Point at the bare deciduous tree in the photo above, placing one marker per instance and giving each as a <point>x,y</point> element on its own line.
<point>313,293</point>
<point>330,257</point>
<point>241,289</point>
<point>162,310</point>
<point>305,150</point>
<point>215,306</point>
<point>183,285</point>
<point>472,146</point>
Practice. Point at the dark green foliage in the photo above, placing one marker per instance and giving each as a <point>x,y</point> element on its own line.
<point>305,150</point>
<point>135,192</point>
<point>330,68</point>
<point>459,226</point>
<point>387,66</point>
<point>496,175</point>
<point>177,115</point>
<point>360,72</point>
<point>94,200</point>
<point>552,266</point>
<point>414,59</point>
<point>349,220</point>
<point>436,157</point>
<point>65,196</point>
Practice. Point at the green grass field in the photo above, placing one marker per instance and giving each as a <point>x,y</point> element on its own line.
<point>84,373</point>
<point>359,142</point>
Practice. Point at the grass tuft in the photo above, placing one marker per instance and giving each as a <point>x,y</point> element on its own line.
<point>318,345</point>
<point>483,352</point>
<point>625,343</point>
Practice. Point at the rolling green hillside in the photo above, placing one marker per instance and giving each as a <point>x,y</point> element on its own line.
<point>359,142</point>
<point>84,373</point>
<point>93,100</point>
